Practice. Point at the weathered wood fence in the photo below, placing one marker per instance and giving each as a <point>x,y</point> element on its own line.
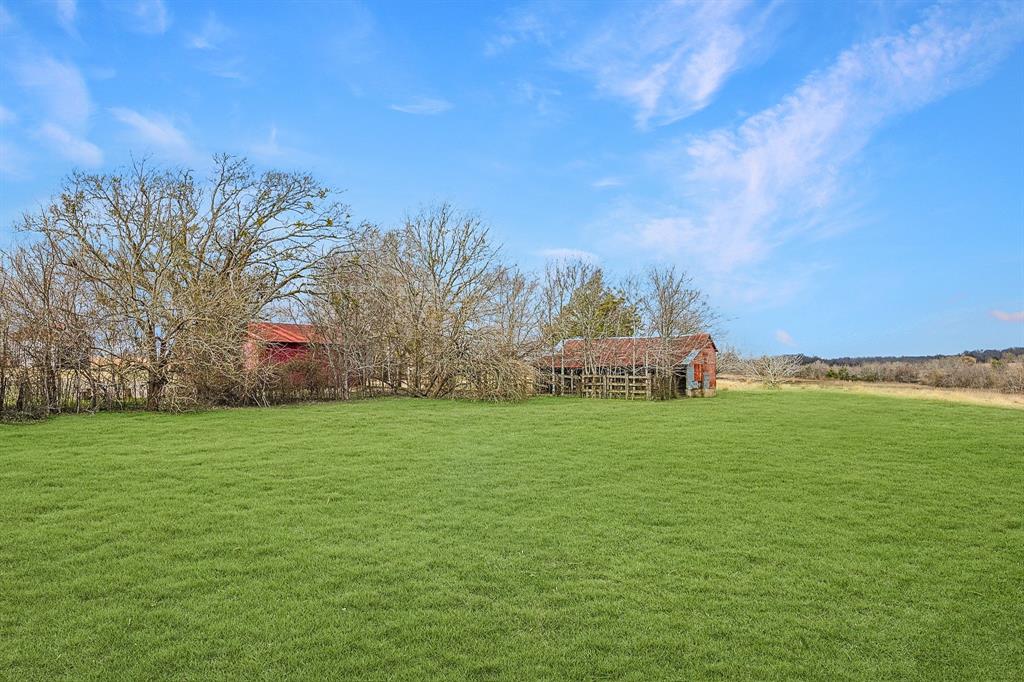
<point>647,386</point>
<point>628,386</point>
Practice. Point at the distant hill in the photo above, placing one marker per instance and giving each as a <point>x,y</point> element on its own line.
<point>979,355</point>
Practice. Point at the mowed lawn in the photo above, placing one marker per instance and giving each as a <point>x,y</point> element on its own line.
<point>757,535</point>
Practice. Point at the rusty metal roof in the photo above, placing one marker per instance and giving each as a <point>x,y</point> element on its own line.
<point>282,332</point>
<point>629,351</point>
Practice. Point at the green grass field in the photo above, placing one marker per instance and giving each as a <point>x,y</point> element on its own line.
<point>756,535</point>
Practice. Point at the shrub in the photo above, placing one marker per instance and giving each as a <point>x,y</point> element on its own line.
<point>302,374</point>
<point>814,370</point>
<point>1013,377</point>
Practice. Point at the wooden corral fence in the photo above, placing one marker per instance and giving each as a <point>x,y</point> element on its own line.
<point>626,386</point>
<point>647,386</point>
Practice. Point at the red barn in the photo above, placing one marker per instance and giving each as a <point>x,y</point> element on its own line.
<point>278,342</point>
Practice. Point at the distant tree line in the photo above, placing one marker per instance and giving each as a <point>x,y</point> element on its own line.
<point>1002,370</point>
<point>136,289</point>
<point>978,355</point>
<point>1003,373</point>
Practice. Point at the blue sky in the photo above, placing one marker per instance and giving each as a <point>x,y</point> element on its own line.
<point>841,178</point>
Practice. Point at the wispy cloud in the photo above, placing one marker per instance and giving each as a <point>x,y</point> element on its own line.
<point>7,116</point>
<point>605,183</point>
<point>268,148</point>
<point>755,186</point>
<point>59,85</point>
<point>271,149</point>
<point>66,11</point>
<point>519,25</point>
<point>210,36</point>
<point>227,67</point>
<point>70,146</point>
<point>784,337</point>
<point>670,59</point>
<point>214,42</point>
<point>543,99</point>
<point>424,106</point>
<point>149,16</point>
<point>569,254</point>
<point>65,106</point>
<point>1012,316</point>
<point>157,132</point>
<point>354,36</point>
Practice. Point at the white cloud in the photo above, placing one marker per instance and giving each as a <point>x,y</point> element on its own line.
<point>670,59</point>
<point>70,146</point>
<point>424,105</point>
<point>604,183</point>
<point>150,16</point>
<point>210,37</point>
<point>569,254</point>
<point>755,186</point>
<point>156,131</point>
<point>66,11</point>
<point>1013,316</point>
<point>59,85</point>
<point>784,337</point>
<point>54,102</point>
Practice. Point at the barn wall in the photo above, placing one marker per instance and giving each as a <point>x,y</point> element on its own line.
<point>280,353</point>
<point>704,367</point>
<point>710,357</point>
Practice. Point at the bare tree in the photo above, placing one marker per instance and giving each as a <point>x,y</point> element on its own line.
<point>164,255</point>
<point>353,308</point>
<point>673,305</point>
<point>47,337</point>
<point>427,309</point>
<point>7,363</point>
<point>504,341</point>
<point>730,361</point>
<point>596,311</point>
<point>772,370</point>
<point>561,279</point>
<point>149,277</point>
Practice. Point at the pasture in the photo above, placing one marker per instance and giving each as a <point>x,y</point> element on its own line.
<point>756,535</point>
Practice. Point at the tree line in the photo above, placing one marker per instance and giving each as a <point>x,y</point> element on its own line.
<point>136,289</point>
<point>987,355</point>
<point>1003,373</point>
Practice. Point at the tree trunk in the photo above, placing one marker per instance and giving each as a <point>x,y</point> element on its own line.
<point>155,390</point>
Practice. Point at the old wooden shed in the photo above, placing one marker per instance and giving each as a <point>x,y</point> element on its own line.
<point>632,367</point>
